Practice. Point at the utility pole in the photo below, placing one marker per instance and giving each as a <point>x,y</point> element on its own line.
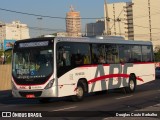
<point>119,20</point>
<point>150,24</point>
<point>40,25</point>
<point>93,33</point>
<point>106,19</point>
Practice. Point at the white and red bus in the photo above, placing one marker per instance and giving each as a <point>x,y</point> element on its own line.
<point>60,66</point>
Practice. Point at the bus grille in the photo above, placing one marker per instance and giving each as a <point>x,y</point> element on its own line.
<point>36,93</point>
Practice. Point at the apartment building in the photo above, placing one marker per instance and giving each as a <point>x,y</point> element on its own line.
<point>119,19</point>
<point>73,23</point>
<point>146,16</point>
<point>15,30</point>
<point>93,29</point>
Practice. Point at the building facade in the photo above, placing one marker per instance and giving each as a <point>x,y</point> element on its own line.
<point>146,18</point>
<point>62,34</point>
<point>93,29</point>
<point>119,19</point>
<point>73,23</point>
<point>15,30</point>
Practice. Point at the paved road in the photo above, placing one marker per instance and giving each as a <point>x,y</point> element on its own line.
<point>146,98</point>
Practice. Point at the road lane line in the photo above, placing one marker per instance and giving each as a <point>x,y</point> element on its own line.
<point>65,108</point>
<point>107,118</point>
<point>124,97</point>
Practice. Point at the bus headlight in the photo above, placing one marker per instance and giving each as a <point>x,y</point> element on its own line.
<point>49,85</point>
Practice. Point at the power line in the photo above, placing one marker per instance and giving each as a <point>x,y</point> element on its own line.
<point>63,30</point>
<point>44,16</point>
<point>48,29</point>
<point>36,15</point>
<point>136,25</point>
<point>45,29</point>
<point>154,8</point>
<point>147,15</point>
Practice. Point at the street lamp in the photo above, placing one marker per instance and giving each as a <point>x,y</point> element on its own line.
<point>40,25</point>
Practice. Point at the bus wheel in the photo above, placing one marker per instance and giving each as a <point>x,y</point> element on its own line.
<point>131,85</point>
<point>79,93</point>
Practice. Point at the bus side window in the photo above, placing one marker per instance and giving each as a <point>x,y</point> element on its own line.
<point>86,59</point>
<point>101,59</point>
<point>136,53</point>
<point>146,54</point>
<point>77,59</point>
<point>94,58</point>
<point>125,53</point>
<point>111,51</point>
<point>98,54</point>
<point>62,57</point>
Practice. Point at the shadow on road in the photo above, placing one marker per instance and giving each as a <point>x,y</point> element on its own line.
<point>6,96</point>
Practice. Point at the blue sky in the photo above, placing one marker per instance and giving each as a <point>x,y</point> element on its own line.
<point>54,8</point>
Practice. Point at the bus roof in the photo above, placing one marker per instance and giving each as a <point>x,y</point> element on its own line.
<point>88,40</point>
<point>104,40</point>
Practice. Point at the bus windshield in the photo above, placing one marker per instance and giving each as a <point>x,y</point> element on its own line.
<point>32,63</point>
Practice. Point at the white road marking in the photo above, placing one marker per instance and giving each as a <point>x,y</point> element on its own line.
<point>124,97</point>
<point>65,108</point>
<point>108,118</point>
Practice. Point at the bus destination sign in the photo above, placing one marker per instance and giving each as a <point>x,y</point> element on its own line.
<point>33,44</point>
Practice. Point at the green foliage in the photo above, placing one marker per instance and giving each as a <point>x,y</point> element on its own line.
<point>1,53</point>
<point>8,55</point>
<point>55,34</point>
<point>157,54</point>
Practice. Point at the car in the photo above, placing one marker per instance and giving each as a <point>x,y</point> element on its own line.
<point>157,72</point>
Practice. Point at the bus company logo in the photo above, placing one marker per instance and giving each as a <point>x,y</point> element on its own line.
<point>6,114</point>
<point>121,75</point>
<point>22,87</point>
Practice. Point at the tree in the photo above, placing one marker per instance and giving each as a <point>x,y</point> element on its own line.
<point>8,56</point>
<point>157,54</point>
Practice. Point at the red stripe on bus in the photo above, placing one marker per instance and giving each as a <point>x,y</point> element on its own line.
<point>140,79</point>
<point>144,63</point>
<point>95,65</point>
<point>111,76</point>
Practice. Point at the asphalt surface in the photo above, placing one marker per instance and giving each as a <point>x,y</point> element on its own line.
<point>112,104</point>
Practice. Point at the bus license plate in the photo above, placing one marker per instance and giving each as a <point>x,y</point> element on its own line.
<point>30,96</point>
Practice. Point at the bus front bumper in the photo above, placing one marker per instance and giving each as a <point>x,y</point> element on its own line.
<point>35,93</point>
